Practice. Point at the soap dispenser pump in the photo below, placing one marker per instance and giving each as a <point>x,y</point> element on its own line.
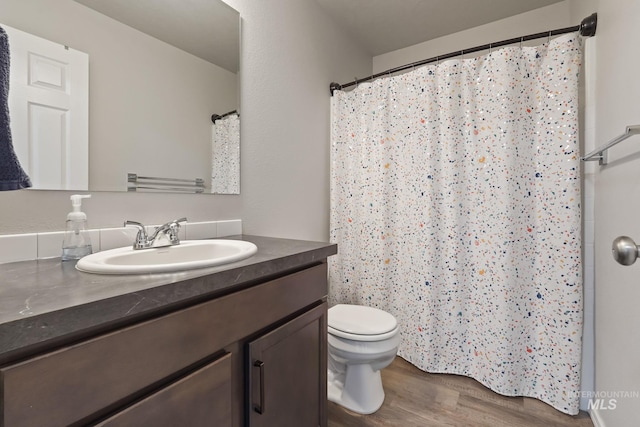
<point>77,242</point>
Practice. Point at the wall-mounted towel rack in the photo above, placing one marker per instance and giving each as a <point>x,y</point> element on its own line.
<point>600,154</point>
<point>136,182</point>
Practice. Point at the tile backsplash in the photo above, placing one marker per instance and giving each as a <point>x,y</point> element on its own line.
<point>25,247</point>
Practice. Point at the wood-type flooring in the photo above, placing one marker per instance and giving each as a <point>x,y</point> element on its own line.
<point>419,399</point>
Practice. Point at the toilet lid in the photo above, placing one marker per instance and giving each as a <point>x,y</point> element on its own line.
<point>360,320</point>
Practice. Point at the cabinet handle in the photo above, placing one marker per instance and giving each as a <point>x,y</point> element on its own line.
<point>260,408</point>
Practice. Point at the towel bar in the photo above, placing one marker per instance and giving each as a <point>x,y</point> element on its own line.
<point>136,182</point>
<point>600,154</point>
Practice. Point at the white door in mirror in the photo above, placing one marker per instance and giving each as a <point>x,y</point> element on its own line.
<point>49,107</point>
<point>188,255</point>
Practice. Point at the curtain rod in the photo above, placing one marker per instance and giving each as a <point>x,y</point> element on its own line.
<point>215,117</point>
<point>587,28</point>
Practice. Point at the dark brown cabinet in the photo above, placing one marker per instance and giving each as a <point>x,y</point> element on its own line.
<point>287,373</point>
<point>189,366</point>
<point>201,399</point>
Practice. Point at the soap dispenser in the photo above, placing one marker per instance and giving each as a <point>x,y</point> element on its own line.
<point>77,242</point>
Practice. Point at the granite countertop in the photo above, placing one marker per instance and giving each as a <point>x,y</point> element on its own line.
<point>48,301</point>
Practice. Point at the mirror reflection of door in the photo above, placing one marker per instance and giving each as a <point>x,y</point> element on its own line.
<point>49,110</point>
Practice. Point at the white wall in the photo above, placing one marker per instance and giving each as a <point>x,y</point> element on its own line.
<point>291,52</point>
<point>617,203</point>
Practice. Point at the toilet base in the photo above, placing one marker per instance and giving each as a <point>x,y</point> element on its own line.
<point>359,389</point>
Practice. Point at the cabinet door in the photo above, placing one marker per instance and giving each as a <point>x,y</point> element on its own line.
<point>202,398</point>
<point>288,373</point>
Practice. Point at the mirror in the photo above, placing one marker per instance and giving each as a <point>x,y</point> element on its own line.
<point>158,71</point>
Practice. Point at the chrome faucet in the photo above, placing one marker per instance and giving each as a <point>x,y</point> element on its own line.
<point>165,235</point>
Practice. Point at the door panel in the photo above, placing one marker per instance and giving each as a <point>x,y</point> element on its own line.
<point>203,398</point>
<point>49,80</point>
<point>287,373</point>
<point>48,145</point>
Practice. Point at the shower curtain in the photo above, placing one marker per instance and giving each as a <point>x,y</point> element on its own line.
<point>225,155</point>
<point>455,204</point>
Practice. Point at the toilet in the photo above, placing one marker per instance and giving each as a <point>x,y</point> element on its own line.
<point>361,341</point>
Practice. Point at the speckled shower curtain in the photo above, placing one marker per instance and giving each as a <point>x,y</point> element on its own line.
<point>225,155</point>
<point>455,204</point>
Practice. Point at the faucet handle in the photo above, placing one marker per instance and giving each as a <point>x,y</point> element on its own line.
<point>141,237</point>
<point>174,228</point>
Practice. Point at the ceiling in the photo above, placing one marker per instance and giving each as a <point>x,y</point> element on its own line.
<point>209,29</point>
<point>383,26</point>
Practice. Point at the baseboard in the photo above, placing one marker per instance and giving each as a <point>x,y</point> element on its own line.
<point>596,419</point>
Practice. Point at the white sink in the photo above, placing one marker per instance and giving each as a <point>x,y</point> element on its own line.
<point>188,255</point>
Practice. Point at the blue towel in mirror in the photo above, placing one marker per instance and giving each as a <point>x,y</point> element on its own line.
<point>12,176</point>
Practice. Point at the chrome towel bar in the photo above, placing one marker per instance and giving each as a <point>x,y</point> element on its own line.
<point>600,154</point>
<point>137,183</point>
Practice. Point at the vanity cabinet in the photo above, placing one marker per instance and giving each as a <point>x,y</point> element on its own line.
<point>193,366</point>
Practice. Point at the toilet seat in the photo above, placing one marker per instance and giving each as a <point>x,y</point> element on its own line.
<point>361,323</point>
